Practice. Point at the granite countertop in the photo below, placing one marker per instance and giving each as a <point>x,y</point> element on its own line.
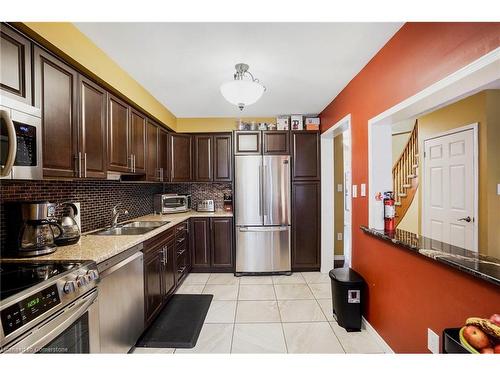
<point>481,266</point>
<point>100,248</point>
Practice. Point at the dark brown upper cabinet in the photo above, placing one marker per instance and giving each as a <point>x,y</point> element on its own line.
<point>164,154</point>
<point>138,141</point>
<point>119,159</point>
<point>152,152</point>
<point>306,225</point>
<point>56,92</point>
<point>247,142</point>
<point>306,155</point>
<point>276,142</point>
<point>223,157</point>
<point>92,130</point>
<point>180,158</point>
<point>15,69</point>
<point>222,242</point>
<point>203,157</point>
<point>212,157</point>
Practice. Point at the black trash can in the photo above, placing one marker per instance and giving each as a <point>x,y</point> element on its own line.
<point>347,297</point>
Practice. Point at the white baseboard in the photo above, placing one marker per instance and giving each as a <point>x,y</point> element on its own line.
<point>374,333</point>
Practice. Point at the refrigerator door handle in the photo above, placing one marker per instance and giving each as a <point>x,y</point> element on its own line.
<point>263,229</point>
<point>260,191</point>
<point>264,195</point>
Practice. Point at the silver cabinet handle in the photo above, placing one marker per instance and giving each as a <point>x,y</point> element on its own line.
<point>133,162</point>
<point>11,153</point>
<point>131,158</point>
<point>85,164</point>
<point>79,164</point>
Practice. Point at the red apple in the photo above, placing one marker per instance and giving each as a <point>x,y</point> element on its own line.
<point>487,351</point>
<point>496,349</point>
<point>475,337</point>
<point>495,318</point>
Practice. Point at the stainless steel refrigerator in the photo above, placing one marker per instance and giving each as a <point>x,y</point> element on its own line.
<point>262,205</point>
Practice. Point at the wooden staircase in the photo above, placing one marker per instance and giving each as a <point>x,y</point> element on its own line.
<point>405,175</point>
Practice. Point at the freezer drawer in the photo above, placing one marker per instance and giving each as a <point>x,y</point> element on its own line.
<point>263,249</point>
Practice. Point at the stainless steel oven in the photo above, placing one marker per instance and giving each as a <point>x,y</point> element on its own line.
<point>58,314</point>
<point>20,142</point>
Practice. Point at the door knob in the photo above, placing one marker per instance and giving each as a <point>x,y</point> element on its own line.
<point>467,219</point>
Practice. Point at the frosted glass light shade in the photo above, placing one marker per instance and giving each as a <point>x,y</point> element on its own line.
<point>241,92</point>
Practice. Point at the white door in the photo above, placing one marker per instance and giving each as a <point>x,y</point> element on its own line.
<point>450,189</point>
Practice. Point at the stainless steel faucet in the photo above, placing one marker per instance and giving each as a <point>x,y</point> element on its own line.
<point>117,212</point>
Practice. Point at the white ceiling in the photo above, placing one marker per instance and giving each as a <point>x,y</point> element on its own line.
<point>303,65</point>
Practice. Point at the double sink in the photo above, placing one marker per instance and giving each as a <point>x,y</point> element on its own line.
<point>131,228</point>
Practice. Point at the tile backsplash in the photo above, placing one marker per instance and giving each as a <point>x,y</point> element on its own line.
<point>97,197</point>
<point>201,191</point>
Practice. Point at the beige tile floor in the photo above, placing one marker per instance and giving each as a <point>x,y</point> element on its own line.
<point>264,314</point>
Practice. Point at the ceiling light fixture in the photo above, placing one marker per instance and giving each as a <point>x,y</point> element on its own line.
<point>244,89</point>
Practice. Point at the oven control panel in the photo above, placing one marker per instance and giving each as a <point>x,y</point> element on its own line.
<point>28,309</point>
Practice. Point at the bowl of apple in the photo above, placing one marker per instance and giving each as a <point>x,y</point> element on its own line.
<point>481,335</point>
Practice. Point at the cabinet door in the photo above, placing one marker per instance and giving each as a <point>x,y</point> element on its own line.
<point>247,142</point>
<point>306,226</point>
<point>203,162</point>
<point>276,142</point>
<point>169,269</point>
<point>118,135</point>
<point>180,158</point>
<point>153,288</point>
<point>56,90</point>
<point>200,242</point>
<point>15,69</point>
<point>163,154</point>
<point>138,140</point>
<point>223,157</point>
<point>222,242</point>
<point>306,155</point>
<point>152,169</point>
<point>92,119</point>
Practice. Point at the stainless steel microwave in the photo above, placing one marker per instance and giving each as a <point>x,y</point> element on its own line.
<point>171,203</point>
<point>20,142</point>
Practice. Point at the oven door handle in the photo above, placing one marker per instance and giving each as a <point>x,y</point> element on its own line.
<point>38,338</point>
<point>11,153</point>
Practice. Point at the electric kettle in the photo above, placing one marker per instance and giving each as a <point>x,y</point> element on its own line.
<point>70,233</point>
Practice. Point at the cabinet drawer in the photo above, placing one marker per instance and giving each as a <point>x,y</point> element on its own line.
<point>182,265</point>
<point>158,240</point>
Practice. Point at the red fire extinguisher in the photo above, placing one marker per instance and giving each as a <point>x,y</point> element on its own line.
<point>389,212</point>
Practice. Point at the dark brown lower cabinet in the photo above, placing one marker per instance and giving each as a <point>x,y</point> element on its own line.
<point>306,225</point>
<point>221,229</point>
<point>212,244</point>
<point>153,296</point>
<point>159,273</point>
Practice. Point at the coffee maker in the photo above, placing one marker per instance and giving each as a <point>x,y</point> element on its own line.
<point>36,235</point>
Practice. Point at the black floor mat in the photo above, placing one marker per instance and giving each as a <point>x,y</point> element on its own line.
<point>179,323</point>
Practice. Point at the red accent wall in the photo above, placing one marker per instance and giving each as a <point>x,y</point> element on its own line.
<point>408,293</point>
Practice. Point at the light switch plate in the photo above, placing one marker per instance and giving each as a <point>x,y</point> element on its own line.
<point>498,189</point>
<point>339,236</point>
<point>363,190</point>
<point>354,191</point>
<point>432,341</point>
<point>339,187</point>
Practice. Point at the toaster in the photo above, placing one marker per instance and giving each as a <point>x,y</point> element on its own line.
<point>206,205</point>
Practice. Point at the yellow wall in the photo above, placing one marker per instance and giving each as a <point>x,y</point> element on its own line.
<point>482,108</point>
<point>338,200</point>
<point>65,38</point>
<point>200,125</point>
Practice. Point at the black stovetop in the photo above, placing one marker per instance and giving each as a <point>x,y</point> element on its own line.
<point>18,276</point>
